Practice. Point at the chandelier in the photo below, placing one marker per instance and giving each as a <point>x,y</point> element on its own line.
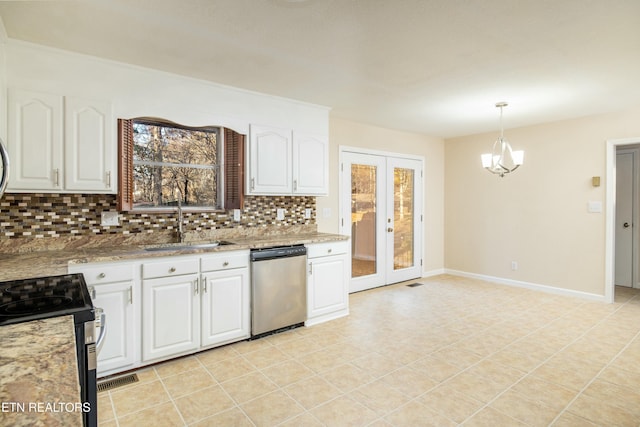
<point>502,159</point>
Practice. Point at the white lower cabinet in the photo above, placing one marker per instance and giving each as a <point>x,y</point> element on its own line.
<point>225,306</point>
<point>114,287</point>
<point>328,273</point>
<point>171,307</point>
<point>118,351</point>
<point>192,303</point>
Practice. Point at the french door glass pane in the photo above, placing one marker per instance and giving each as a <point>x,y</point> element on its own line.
<point>403,245</point>
<point>363,220</point>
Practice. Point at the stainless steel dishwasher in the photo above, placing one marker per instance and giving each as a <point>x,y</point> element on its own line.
<point>278,288</point>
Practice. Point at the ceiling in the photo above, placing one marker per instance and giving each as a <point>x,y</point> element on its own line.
<point>432,66</point>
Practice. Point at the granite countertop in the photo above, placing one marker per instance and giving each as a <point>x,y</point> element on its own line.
<point>39,374</point>
<point>21,265</point>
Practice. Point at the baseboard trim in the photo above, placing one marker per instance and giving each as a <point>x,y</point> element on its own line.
<point>432,273</point>
<point>528,285</point>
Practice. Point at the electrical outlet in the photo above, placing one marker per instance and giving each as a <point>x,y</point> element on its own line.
<point>109,219</point>
<point>326,212</point>
<point>514,265</point>
<point>236,215</point>
<point>307,213</point>
<point>280,214</point>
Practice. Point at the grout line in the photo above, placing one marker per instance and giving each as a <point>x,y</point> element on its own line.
<point>608,364</point>
<point>550,357</point>
<point>515,297</point>
<point>171,399</point>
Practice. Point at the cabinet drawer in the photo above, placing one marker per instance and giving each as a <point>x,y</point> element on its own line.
<point>326,249</point>
<point>97,274</point>
<point>224,261</point>
<point>170,267</point>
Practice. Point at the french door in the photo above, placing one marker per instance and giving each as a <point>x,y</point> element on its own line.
<point>381,198</point>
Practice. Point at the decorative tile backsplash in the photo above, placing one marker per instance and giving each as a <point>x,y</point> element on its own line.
<point>53,215</point>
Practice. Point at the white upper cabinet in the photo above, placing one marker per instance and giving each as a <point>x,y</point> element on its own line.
<point>59,143</point>
<point>269,161</point>
<point>283,162</point>
<point>310,164</point>
<point>35,141</point>
<point>88,145</point>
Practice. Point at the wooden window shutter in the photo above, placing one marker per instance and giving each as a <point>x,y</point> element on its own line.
<point>233,169</point>
<point>125,165</point>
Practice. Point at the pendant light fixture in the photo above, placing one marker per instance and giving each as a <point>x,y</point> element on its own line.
<point>502,159</point>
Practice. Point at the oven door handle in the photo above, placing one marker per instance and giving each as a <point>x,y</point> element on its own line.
<point>4,160</point>
<point>103,329</point>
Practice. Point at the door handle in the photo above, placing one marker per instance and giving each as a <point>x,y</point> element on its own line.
<point>625,225</point>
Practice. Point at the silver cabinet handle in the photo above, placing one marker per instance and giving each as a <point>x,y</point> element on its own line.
<point>108,179</point>
<point>56,177</point>
<point>295,185</point>
<point>102,276</point>
<point>172,270</point>
<point>204,285</point>
<point>329,250</point>
<point>195,286</point>
<point>92,292</point>
<point>130,294</point>
<point>310,268</point>
<point>225,264</point>
<point>253,184</point>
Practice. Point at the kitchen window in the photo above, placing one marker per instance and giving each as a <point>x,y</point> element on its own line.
<point>164,164</point>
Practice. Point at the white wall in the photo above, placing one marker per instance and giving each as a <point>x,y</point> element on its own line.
<point>137,91</point>
<point>353,134</point>
<point>538,215</point>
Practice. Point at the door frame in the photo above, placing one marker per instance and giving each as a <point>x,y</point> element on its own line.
<point>345,223</point>
<point>610,219</point>
<point>634,151</point>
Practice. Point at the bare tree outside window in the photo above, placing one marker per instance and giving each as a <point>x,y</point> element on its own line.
<point>173,161</point>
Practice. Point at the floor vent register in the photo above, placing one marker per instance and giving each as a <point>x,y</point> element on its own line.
<point>110,384</point>
<point>413,285</point>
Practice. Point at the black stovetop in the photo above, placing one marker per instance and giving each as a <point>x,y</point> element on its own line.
<point>44,297</point>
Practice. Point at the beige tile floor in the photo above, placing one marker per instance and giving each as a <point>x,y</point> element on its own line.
<point>454,351</point>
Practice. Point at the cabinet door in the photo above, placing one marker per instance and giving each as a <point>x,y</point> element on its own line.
<point>171,316</point>
<point>225,306</point>
<point>35,141</point>
<point>270,154</point>
<point>88,145</point>
<point>327,285</point>
<point>310,164</point>
<point>118,350</point>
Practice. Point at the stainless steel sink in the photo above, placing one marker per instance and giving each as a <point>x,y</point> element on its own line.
<point>179,246</point>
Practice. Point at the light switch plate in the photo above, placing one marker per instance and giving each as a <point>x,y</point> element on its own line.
<point>236,215</point>
<point>280,214</point>
<point>307,213</point>
<point>326,212</point>
<point>108,219</point>
<point>595,207</point>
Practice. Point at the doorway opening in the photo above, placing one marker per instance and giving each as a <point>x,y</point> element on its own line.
<point>621,247</point>
<point>626,217</point>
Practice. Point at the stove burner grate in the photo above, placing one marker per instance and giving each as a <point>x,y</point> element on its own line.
<point>34,305</point>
